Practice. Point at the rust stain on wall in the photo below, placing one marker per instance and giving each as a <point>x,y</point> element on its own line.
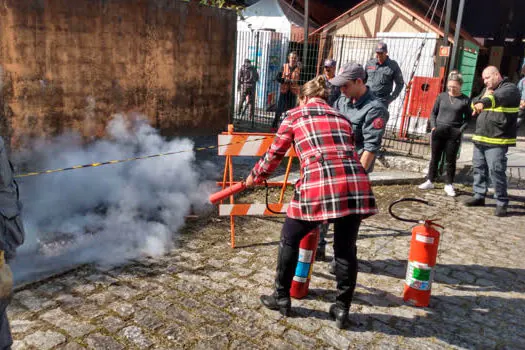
<point>72,64</point>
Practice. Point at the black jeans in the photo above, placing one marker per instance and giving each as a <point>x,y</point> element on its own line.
<point>345,250</point>
<point>286,101</point>
<point>247,92</point>
<point>444,139</point>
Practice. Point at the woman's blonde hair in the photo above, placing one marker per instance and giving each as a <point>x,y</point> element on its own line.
<point>314,88</point>
<point>456,76</point>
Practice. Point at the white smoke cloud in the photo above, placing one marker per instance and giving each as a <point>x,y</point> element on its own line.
<point>112,213</point>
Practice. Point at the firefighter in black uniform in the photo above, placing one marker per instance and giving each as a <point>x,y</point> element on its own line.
<point>496,126</point>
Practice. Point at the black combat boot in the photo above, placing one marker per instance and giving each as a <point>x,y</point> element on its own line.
<point>346,277</point>
<point>340,314</point>
<point>320,253</point>
<point>286,264</point>
<point>475,202</point>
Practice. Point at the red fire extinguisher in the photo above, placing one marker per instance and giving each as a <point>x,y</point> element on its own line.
<point>305,264</point>
<point>421,257</point>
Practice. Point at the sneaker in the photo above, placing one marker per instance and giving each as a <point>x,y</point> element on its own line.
<point>501,210</point>
<point>475,202</point>
<point>427,185</point>
<point>449,190</point>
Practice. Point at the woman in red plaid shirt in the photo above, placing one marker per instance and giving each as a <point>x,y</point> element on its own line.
<point>333,187</point>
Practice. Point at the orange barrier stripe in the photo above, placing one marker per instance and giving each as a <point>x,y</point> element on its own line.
<point>238,142</point>
<point>265,145</point>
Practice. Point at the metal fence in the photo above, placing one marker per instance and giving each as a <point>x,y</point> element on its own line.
<point>268,51</point>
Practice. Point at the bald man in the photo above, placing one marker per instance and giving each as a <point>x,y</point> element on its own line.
<point>496,126</point>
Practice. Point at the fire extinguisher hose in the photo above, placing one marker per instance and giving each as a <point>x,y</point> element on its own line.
<point>267,205</point>
<point>391,206</point>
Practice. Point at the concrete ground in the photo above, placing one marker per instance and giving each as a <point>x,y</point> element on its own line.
<point>204,295</point>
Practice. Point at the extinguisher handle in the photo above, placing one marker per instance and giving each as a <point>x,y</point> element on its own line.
<point>220,195</point>
<point>391,206</point>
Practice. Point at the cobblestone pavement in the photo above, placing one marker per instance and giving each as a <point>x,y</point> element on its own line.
<point>204,295</point>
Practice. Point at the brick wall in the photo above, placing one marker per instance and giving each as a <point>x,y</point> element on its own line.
<point>72,64</point>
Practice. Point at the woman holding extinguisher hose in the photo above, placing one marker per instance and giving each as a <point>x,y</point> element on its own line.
<point>333,187</point>
<point>448,120</point>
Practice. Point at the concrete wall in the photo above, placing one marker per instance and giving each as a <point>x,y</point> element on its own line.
<point>71,64</point>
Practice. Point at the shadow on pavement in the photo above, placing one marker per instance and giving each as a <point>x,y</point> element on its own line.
<point>461,277</point>
<point>472,321</point>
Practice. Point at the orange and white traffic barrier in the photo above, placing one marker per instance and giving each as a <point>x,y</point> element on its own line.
<point>232,144</point>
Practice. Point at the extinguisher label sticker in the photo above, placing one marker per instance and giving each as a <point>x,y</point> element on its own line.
<point>424,239</point>
<point>302,269</point>
<point>419,277</point>
<point>300,279</point>
<point>305,256</point>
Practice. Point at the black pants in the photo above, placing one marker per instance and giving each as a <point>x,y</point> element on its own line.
<point>444,139</point>
<point>345,251</point>
<point>286,101</point>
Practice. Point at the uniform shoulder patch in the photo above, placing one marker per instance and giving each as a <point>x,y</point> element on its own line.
<point>378,123</point>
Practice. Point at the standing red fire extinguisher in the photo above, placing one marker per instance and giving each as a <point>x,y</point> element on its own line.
<point>421,257</point>
<point>305,264</point>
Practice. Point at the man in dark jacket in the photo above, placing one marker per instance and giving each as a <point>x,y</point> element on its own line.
<point>247,79</point>
<point>11,233</point>
<point>382,73</point>
<point>329,73</point>
<point>368,116</point>
<point>496,125</point>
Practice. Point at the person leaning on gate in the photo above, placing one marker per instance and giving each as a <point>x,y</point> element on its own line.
<point>247,79</point>
<point>289,80</point>
<point>383,73</point>
<point>12,236</point>
<point>333,186</point>
<point>368,116</point>
<point>329,73</point>
<point>448,120</point>
<point>496,126</point>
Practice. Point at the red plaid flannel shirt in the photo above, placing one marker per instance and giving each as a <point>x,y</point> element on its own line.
<point>333,182</point>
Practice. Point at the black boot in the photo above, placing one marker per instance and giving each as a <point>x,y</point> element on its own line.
<point>346,277</point>
<point>274,302</point>
<point>320,253</point>
<point>340,314</point>
<point>286,263</point>
<point>475,202</point>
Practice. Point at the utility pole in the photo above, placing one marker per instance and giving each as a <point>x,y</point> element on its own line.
<point>446,30</point>
<point>306,20</point>
<point>452,64</point>
<point>447,22</point>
